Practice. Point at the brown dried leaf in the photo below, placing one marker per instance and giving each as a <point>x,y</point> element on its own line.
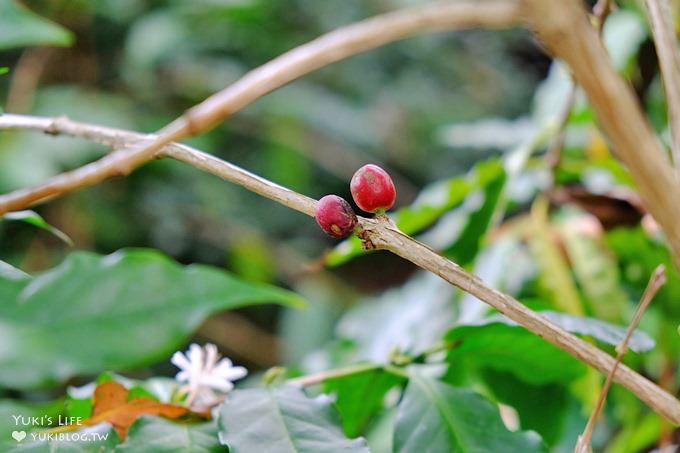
<point>111,405</point>
<point>108,395</point>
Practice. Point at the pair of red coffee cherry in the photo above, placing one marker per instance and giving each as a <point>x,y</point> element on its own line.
<point>372,190</point>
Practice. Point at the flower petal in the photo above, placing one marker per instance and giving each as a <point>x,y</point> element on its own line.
<point>180,360</point>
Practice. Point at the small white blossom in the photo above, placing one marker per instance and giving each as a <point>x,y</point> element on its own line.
<point>205,377</point>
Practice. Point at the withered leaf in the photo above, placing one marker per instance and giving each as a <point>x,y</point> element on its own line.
<point>111,405</point>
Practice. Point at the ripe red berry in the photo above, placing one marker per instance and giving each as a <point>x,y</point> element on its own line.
<point>372,189</point>
<point>335,216</point>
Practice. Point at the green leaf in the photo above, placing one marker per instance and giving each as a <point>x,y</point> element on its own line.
<point>594,266</point>
<point>555,280</point>
<point>35,219</point>
<point>46,414</point>
<point>92,313</point>
<point>10,272</point>
<point>436,200</point>
<point>282,420</point>
<point>503,347</point>
<point>160,435</point>
<point>500,344</point>
<point>20,27</point>
<point>623,34</point>
<point>638,256</point>
<point>541,408</point>
<point>79,407</point>
<point>603,331</point>
<point>4,70</point>
<point>464,249</point>
<point>360,396</point>
<point>436,417</point>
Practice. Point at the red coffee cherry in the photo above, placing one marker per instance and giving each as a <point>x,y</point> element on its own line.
<point>372,189</point>
<point>335,216</point>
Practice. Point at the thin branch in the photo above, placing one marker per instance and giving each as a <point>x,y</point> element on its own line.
<point>601,11</point>
<point>385,236</point>
<point>26,78</point>
<point>656,281</point>
<point>327,49</point>
<point>554,154</point>
<point>564,27</point>
<point>661,21</point>
<point>323,376</point>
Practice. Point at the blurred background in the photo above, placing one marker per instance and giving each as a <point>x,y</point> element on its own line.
<point>442,112</point>
<point>137,65</point>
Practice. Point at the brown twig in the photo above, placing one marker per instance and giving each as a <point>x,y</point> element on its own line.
<point>564,27</point>
<point>553,155</point>
<point>383,235</point>
<point>656,281</point>
<point>25,79</point>
<point>329,48</point>
<point>663,31</point>
<point>601,11</point>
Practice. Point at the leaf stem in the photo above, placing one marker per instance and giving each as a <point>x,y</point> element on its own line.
<point>656,281</point>
<point>338,373</point>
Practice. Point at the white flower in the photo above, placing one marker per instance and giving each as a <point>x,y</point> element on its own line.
<point>206,378</point>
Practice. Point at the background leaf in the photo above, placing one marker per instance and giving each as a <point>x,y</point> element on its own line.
<point>503,347</point>
<point>284,420</point>
<point>35,219</point>
<point>20,27</point>
<point>595,269</point>
<point>159,435</point>
<point>92,313</point>
<point>9,409</point>
<point>437,417</point>
<point>555,278</point>
<point>360,396</point>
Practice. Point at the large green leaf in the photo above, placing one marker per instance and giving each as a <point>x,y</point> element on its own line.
<point>10,272</point>
<point>93,313</point>
<point>504,347</point>
<point>360,396</point>
<point>541,408</point>
<point>282,420</point>
<point>464,248</point>
<point>638,256</point>
<point>20,27</point>
<point>17,415</point>
<point>437,417</point>
<point>438,199</point>
<point>500,344</point>
<point>554,276</point>
<point>160,435</point>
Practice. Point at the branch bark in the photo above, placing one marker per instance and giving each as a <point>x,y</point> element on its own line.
<point>564,27</point>
<point>656,281</point>
<point>661,20</point>
<point>329,48</point>
<point>385,236</point>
